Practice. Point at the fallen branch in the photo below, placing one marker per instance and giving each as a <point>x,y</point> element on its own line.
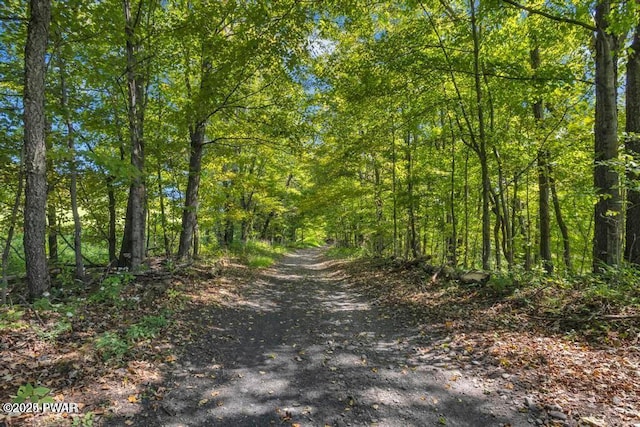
<point>603,317</point>
<point>30,307</point>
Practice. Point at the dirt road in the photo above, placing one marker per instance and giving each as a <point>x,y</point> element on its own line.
<point>304,347</point>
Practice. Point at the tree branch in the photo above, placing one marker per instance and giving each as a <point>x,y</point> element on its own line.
<point>12,18</point>
<point>551,16</point>
<point>254,140</point>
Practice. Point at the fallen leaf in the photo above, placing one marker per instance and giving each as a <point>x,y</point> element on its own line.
<point>593,422</point>
<point>132,398</point>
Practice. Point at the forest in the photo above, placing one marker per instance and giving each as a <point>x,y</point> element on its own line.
<point>496,135</point>
<point>500,137</point>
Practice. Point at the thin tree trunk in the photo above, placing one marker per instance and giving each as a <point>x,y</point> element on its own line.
<point>38,280</point>
<point>543,179</point>
<point>265,226</point>
<point>465,261</point>
<point>163,215</point>
<point>246,224</point>
<point>502,209</point>
<point>111,194</point>
<point>73,190</point>
<point>12,226</point>
<point>196,240</point>
<point>453,244</point>
<point>393,191</point>
<point>482,149</point>
<point>632,239</point>
<point>514,214</point>
<point>52,222</point>
<point>147,214</point>
<point>524,232</point>
<point>544,217</point>
<point>229,230</point>
<point>607,213</point>
<point>496,237</point>
<point>378,245</point>
<point>52,213</point>
<point>411,209</point>
<point>564,230</point>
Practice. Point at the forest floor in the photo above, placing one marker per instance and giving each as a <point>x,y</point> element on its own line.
<point>315,342</point>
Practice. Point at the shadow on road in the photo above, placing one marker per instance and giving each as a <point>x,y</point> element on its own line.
<point>305,347</point>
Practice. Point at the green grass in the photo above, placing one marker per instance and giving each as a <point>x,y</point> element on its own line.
<point>11,318</point>
<point>147,328</point>
<point>308,242</point>
<point>111,346</point>
<point>342,252</point>
<point>259,261</point>
<point>97,252</point>
<point>258,254</point>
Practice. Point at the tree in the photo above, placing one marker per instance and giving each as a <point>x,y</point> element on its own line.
<point>608,212</point>
<point>543,180</point>
<point>632,143</point>
<point>35,151</point>
<point>73,172</point>
<point>241,54</point>
<point>132,251</point>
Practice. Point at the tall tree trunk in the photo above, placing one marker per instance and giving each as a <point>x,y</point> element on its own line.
<point>133,245</point>
<point>452,246</point>
<point>38,280</point>
<point>73,174</point>
<point>543,179</point>
<point>482,139</point>
<point>189,213</point>
<point>607,237</point>
<point>111,194</point>
<point>632,240</point>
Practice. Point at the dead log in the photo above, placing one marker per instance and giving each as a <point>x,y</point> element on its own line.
<point>475,278</point>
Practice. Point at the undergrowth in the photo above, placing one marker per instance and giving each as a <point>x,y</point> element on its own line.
<point>338,252</point>
<point>600,308</point>
<point>263,254</point>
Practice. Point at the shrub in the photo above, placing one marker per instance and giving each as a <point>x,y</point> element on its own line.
<point>111,346</point>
